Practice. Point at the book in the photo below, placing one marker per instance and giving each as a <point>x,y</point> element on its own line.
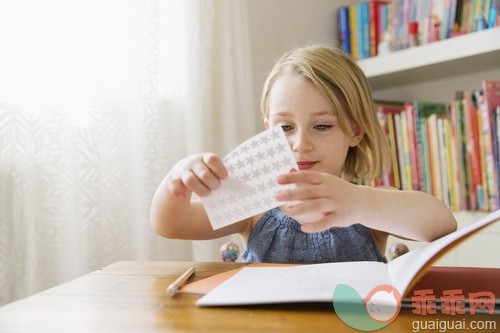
<point>375,11</point>
<point>412,146</point>
<point>353,31</point>
<point>493,13</point>
<point>464,134</point>
<point>473,150</point>
<point>401,151</point>
<point>458,147</point>
<point>317,282</point>
<point>363,26</point>
<point>427,115</point>
<point>442,279</point>
<point>386,111</point>
<point>433,155</point>
<point>489,99</point>
<point>343,28</point>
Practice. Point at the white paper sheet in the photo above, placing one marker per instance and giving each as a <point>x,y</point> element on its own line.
<point>305,283</point>
<point>251,185</point>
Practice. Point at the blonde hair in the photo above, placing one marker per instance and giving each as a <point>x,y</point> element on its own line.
<point>339,78</point>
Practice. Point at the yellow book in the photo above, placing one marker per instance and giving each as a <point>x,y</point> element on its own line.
<point>450,159</point>
<point>394,151</point>
<point>353,31</point>
<point>401,154</point>
<point>434,156</point>
<point>482,160</point>
<point>443,161</point>
<point>406,151</point>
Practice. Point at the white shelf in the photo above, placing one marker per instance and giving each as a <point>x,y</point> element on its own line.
<point>450,57</point>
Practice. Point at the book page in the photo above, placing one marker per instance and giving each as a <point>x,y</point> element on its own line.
<point>305,283</point>
<point>407,269</point>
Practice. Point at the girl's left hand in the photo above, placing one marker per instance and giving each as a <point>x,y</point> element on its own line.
<point>319,201</point>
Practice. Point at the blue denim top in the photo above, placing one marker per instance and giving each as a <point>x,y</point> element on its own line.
<point>277,238</point>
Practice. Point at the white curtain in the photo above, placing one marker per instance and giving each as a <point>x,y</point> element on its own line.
<point>98,99</point>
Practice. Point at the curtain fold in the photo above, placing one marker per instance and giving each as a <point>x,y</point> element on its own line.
<point>98,100</point>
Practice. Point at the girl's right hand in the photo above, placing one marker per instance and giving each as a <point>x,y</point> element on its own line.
<point>199,173</point>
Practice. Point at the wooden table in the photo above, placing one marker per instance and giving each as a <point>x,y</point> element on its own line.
<point>130,296</point>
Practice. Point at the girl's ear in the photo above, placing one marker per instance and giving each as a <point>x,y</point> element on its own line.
<point>266,123</point>
<point>356,135</point>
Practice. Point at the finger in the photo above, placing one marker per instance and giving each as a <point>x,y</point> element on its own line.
<point>317,226</point>
<point>302,193</point>
<point>177,188</point>
<point>297,177</point>
<point>215,165</point>
<point>193,183</point>
<point>309,211</point>
<point>206,176</point>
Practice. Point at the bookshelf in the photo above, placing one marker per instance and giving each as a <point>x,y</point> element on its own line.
<point>447,58</point>
<point>433,72</point>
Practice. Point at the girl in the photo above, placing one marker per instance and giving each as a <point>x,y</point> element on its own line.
<point>322,101</point>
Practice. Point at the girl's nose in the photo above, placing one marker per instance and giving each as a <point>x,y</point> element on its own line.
<point>302,142</point>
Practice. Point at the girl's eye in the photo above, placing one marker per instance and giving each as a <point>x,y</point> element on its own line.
<point>322,127</point>
<point>286,127</point>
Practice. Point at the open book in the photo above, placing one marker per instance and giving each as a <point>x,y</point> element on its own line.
<point>317,282</point>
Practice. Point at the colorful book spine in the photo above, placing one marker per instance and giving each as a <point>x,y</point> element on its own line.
<point>353,31</point>
<point>489,100</point>
<point>412,145</point>
<point>394,150</point>
<point>492,14</point>
<point>473,151</point>
<point>387,179</point>
<point>483,129</point>
<point>456,128</point>
<point>398,123</point>
<point>433,156</point>
<point>343,28</point>
<point>378,23</point>
<point>497,142</point>
<point>444,154</point>
<point>406,151</point>
<point>422,147</point>
<point>453,182</point>
<point>363,26</point>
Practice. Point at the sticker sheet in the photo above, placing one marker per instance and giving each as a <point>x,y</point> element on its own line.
<point>251,185</point>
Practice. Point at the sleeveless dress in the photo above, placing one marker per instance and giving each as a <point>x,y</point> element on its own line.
<point>277,238</point>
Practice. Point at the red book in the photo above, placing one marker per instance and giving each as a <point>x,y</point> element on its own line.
<point>489,101</point>
<point>374,21</point>
<point>474,164</point>
<point>412,140</point>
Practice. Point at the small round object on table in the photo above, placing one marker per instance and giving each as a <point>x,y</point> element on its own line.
<point>397,250</point>
<point>229,252</point>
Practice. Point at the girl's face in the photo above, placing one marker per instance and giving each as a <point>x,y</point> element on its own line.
<point>308,120</point>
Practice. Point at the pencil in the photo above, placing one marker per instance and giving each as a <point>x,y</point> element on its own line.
<point>174,286</point>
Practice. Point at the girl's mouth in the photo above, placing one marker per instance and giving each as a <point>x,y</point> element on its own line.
<point>304,165</point>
